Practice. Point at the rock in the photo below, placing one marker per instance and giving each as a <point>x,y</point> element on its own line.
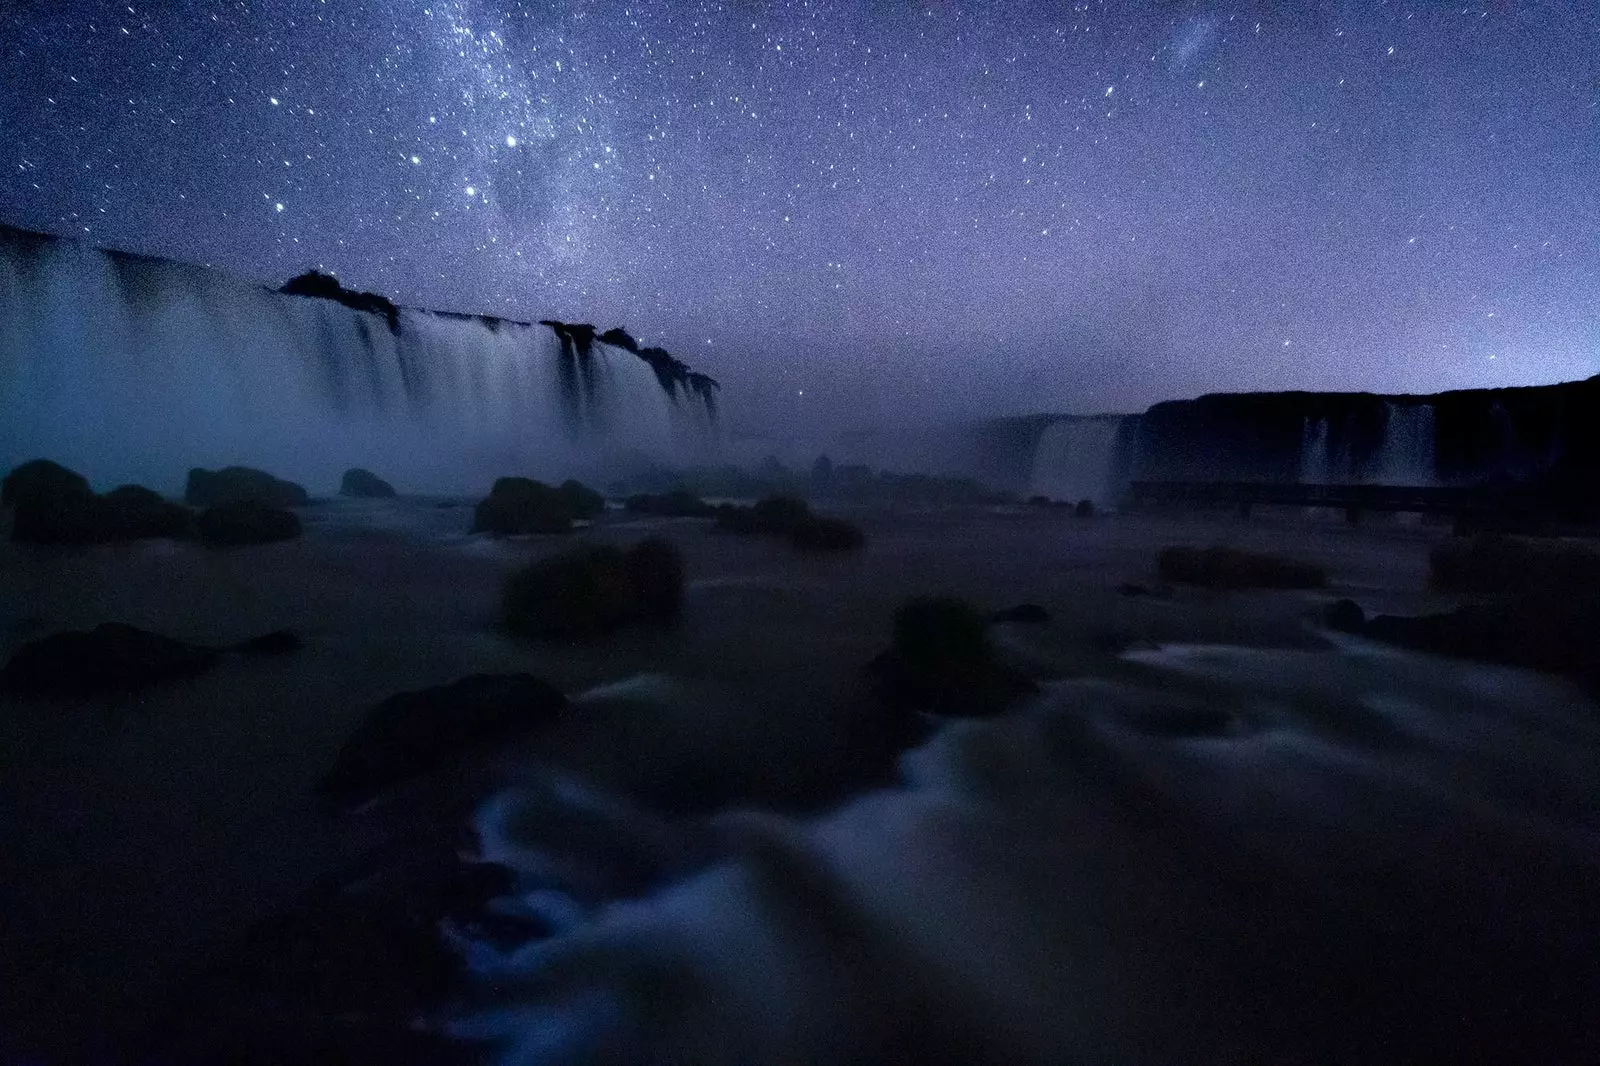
<point>1023,613</point>
<point>278,642</point>
<point>517,505</point>
<point>1495,563</point>
<point>1344,616</point>
<point>780,514</point>
<point>1084,509</point>
<point>584,501</point>
<point>241,484</point>
<point>1130,588</point>
<point>110,657</point>
<point>593,590</point>
<point>1040,501</point>
<point>655,572</point>
<point>820,533</point>
<point>1230,568</point>
<point>412,733</point>
<point>940,661</point>
<point>1535,632</point>
<point>365,484</point>
<point>53,505</point>
<point>246,522</point>
<point>133,512</point>
<point>679,503</point>
<point>1185,722</point>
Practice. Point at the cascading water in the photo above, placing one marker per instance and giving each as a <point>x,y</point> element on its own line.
<point>134,369</point>
<point>1406,455</point>
<point>1075,460</point>
<point>1316,465</point>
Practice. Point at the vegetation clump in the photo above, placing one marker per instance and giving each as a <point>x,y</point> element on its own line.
<point>595,589</point>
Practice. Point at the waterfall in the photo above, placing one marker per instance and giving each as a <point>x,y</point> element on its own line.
<point>1075,459</point>
<point>1316,464</point>
<point>1406,455</point>
<point>134,369</point>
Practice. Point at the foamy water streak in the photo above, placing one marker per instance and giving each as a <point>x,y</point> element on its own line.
<point>1092,880</point>
<point>132,369</point>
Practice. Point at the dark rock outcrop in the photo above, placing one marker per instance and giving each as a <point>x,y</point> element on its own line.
<point>243,522</point>
<point>584,501</point>
<point>820,533</point>
<point>1494,563</point>
<point>364,483</point>
<point>940,661</point>
<point>113,657</point>
<point>679,503</point>
<point>412,733</point>
<point>518,505</point>
<point>1344,616</point>
<point>327,287</point>
<point>55,505</point>
<point>1230,568</point>
<point>241,484</point>
<point>1024,614</point>
<point>593,590</point>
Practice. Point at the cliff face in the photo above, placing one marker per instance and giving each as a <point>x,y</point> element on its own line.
<point>1462,437</point>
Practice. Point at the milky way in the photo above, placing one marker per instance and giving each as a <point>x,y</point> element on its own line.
<point>867,211</point>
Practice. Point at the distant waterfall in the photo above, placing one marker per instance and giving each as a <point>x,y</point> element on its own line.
<point>1316,464</point>
<point>1406,456</point>
<point>134,369</point>
<point>1075,460</point>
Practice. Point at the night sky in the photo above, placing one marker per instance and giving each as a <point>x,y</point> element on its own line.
<point>865,211</point>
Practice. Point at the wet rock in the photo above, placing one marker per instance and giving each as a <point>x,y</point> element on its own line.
<point>278,642</point>
<point>412,733</point>
<point>654,568</point>
<point>593,590</point>
<point>133,512</point>
<point>55,505</point>
<point>679,503</point>
<point>584,501</point>
<point>1023,613</point>
<point>1230,568</point>
<point>246,522</point>
<point>1539,633</point>
<point>519,505</point>
<point>940,661</point>
<point>110,657</point>
<point>1495,563</point>
<point>1084,509</point>
<point>1131,588</point>
<point>1344,616</point>
<point>365,484</point>
<point>821,533</point>
<point>241,484</point>
<point>1185,722</point>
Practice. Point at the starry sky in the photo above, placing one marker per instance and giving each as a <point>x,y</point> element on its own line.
<point>865,211</point>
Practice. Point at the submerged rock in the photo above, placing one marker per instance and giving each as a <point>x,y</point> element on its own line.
<point>109,657</point>
<point>246,522</point>
<point>1230,568</point>
<point>365,484</point>
<point>941,661</point>
<point>414,732</point>
<point>117,657</point>
<point>517,505</point>
<point>241,484</point>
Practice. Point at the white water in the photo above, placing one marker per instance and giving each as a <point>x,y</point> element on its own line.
<point>136,370</point>
<point>1074,460</point>
<point>1388,839</point>
<point>1316,464</point>
<point>1406,455</point>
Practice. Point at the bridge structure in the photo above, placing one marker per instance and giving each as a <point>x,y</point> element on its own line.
<point>1522,508</point>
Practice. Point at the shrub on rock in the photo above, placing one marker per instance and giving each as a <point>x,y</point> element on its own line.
<point>518,505</point>
<point>1230,568</point>
<point>819,533</point>
<point>365,484</point>
<point>241,484</point>
<point>413,732</point>
<point>246,522</point>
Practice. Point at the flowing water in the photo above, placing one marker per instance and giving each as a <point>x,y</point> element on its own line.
<point>1075,460</point>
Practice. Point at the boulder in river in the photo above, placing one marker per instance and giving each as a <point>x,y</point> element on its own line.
<point>364,484</point>
<point>236,523</point>
<point>241,484</point>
